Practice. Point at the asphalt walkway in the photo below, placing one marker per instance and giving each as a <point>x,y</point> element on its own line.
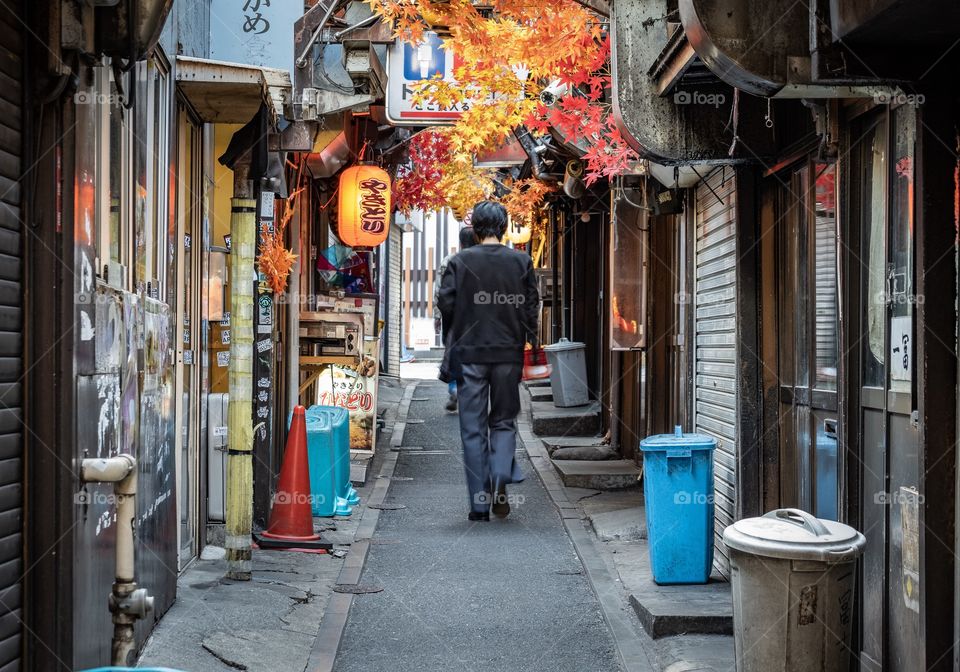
<point>506,595</point>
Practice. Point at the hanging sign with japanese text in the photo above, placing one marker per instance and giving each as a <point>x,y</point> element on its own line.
<point>254,32</point>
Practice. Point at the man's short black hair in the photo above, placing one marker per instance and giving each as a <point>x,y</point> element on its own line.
<point>489,219</point>
<point>468,237</point>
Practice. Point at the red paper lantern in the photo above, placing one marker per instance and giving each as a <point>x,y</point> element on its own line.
<point>364,206</point>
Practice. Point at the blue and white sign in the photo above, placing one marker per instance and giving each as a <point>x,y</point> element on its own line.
<point>408,65</point>
<point>254,32</point>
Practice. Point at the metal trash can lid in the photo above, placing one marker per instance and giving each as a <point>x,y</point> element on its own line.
<point>564,344</point>
<point>792,534</point>
<point>678,440</point>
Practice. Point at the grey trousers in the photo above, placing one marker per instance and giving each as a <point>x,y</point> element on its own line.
<point>489,397</point>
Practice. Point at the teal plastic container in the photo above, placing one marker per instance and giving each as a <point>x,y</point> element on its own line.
<point>339,421</point>
<point>678,488</point>
<point>321,460</point>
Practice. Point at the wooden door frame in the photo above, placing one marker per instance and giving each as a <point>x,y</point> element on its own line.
<point>936,372</point>
<point>180,156</point>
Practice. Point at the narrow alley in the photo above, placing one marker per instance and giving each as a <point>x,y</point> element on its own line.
<point>505,595</point>
<point>500,335</point>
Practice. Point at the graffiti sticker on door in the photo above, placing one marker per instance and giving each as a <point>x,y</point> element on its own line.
<point>901,348</point>
<point>909,499</point>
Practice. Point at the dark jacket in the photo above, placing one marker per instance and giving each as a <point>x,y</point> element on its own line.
<point>490,303</point>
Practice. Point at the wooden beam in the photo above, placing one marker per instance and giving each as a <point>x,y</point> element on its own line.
<point>601,7</point>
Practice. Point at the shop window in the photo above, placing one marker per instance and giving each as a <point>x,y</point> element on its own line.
<point>826,340</point>
<point>874,190</point>
<point>113,151</point>
<point>629,257</point>
<point>900,272</point>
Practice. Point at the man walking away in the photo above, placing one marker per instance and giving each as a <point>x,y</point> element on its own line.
<point>489,299</point>
<point>449,369</point>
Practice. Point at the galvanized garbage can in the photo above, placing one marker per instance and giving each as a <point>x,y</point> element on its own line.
<point>678,489</point>
<point>568,380</point>
<point>792,578</point>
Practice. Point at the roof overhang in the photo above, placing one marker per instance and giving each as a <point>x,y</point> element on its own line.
<point>231,93</point>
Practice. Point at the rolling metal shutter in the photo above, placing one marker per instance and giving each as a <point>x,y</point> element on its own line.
<point>715,302</point>
<point>395,279</point>
<point>11,335</point>
<point>825,270</point>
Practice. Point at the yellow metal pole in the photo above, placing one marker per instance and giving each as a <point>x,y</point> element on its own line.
<point>239,514</point>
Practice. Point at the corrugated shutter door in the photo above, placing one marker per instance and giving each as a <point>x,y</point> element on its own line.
<point>11,337</point>
<point>395,280</point>
<point>715,301</point>
<point>825,269</point>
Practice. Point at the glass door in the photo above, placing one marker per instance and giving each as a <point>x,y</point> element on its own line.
<point>809,344</point>
<point>890,469</point>
<point>189,210</point>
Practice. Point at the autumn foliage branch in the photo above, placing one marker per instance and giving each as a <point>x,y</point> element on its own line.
<point>506,53</point>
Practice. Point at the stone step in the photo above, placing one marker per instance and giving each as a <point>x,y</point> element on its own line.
<point>541,393</point>
<point>620,524</point>
<point>585,453</point>
<point>536,382</point>
<point>551,443</point>
<point>665,611</point>
<point>597,474</point>
<point>549,420</point>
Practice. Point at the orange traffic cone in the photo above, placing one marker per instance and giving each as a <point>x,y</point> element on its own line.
<point>291,523</point>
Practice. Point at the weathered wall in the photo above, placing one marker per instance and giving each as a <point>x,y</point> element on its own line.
<point>187,30</point>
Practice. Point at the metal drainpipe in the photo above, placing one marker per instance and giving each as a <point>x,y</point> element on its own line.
<point>127,602</point>
<point>616,374</point>
<point>292,336</point>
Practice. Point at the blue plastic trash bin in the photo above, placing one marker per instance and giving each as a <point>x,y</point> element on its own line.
<point>320,460</point>
<point>678,488</point>
<point>339,420</point>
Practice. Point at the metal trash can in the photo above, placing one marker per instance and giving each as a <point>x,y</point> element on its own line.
<point>568,379</point>
<point>792,578</point>
<point>678,490</point>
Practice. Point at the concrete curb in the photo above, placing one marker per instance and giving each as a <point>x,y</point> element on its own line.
<point>323,655</point>
<point>634,655</point>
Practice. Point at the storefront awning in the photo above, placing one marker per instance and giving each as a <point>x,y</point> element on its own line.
<point>230,93</point>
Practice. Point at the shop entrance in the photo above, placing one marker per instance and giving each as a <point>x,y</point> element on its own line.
<point>188,333</point>
<point>808,341</point>
<point>885,325</point>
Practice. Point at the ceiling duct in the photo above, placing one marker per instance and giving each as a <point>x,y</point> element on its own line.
<point>665,115</point>
<point>130,28</point>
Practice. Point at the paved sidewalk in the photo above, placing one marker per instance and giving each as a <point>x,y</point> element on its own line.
<point>505,595</point>
<point>266,624</point>
<point>281,620</point>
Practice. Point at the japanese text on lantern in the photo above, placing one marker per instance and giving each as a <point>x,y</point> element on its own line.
<point>373,205</point>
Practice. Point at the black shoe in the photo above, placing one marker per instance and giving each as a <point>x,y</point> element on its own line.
<point>501,507</point>
<point>452,403</point>
<point>482,516</point>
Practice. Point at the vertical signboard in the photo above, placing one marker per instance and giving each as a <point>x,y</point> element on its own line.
<point>254,32</point>
<point>263,368</point>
